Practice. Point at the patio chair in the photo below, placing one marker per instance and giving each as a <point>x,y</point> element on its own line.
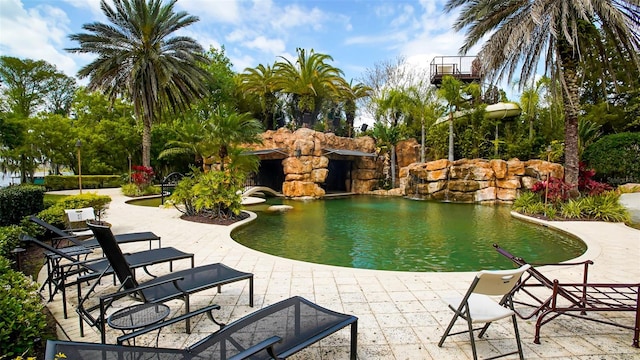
<point>64,270</point>
<point>77,219</point>
<point>547,299</point>
<point>276,331</point>
<point>477,306</point>
<point>175,285</point>
<point>92,243</point>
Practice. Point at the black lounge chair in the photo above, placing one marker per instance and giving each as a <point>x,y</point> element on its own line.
<point>62,267</point>
<point>276,331</point>
<point>92,243</point>
<point>175,285</point>
<point>547,299</point>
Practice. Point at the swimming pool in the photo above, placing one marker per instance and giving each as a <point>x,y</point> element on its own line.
<point>388,233</point>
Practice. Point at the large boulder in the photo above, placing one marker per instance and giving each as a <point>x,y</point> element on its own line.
<point>474,180</point>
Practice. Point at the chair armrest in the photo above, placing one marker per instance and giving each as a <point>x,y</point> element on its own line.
<point>119,294</point>
<point>263,345</point>
<point>162,324</point>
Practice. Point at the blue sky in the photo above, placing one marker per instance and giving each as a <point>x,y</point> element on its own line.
<point>356,33</point>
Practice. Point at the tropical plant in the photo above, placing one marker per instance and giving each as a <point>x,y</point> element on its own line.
<point>350,95</point>
<point>260,82</point>
<point>215,194</point>
<point>528,202</point>
<point>589,186</point>
<point>605,207</point>
<point>553,189</point>
<point>226,130</point>
<point>421,107</point>
<point>451,90</point>
<point>588,133</point>
<point>309,82</point>
<point>615,158</point>
<point>521,34</point>
<point>138,58</point>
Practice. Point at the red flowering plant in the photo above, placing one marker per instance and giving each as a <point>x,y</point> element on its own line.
<point>555,189</point>
<point>142,176</point>
<point>587,185</point>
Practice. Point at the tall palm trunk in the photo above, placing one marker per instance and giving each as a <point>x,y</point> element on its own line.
<point>393,166</point>
<point>450,157</point>
<point>146,142</point>
<point>571,110</point>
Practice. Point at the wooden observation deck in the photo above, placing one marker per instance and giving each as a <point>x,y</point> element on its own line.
<point>464,68</point>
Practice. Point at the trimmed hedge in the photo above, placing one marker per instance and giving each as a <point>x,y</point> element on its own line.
<point>55,215</point>
<point>615,158</point>
<point>69,182</point>
<point>19,201</point>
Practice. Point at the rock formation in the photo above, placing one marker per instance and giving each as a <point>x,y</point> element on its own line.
<point>474,181</point>
<point>306,155</point>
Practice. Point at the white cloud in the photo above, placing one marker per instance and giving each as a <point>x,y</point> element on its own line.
<point>37,33</point>
<point>242,62</point>
<point>92,5</point>
<point>269,46</point>
<point>225,11</point>
<point>293,16</point>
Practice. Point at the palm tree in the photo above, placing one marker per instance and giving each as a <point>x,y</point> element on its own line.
<point>520,33</point>
<point>451,91</point>
<point>349,95</point>
<point>260,82</point>
<point>225,131</point>
<point>138,58</point>
<point>421,105</point>
<point>309,81</point>
<point>391,111</point>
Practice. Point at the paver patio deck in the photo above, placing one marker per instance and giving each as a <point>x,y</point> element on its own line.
<point>401,314</point>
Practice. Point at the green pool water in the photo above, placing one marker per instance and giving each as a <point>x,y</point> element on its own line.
<point>399,234</point>
<point>388,233</point>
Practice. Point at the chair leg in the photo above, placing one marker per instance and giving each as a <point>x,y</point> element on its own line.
<point>446,333</point>
<point>354,340</point>
<point>473,341</point>
<point>187,309</point>
<point>515,329</point>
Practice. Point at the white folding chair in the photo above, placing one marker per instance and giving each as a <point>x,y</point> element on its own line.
<point>80,216</point>
<point>477,306</point>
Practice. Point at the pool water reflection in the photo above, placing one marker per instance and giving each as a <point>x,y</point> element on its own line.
<point>400,234</point>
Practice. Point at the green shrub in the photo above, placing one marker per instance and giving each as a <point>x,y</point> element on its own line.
<point>22,320</point>
<point>133,190</point>
<point>216,194</point>
<point>19,201</point>
<point>9,239</point>
<point>615,158</point>
<point>605,207</point>
<point>572,209</point>
<point>68,182</point>
<point>550,211</point>
<point>527,203</point>
<point>55,215</point>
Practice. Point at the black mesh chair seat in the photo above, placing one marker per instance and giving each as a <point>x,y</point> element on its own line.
<point>91,351</point>
<point>92,243</point>
<point>60,273</point>
<point>175,285</point>
<point>191,281</point>
<point>296,321</point>
<point>276,331</point>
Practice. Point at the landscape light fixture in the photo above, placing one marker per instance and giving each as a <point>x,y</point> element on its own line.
<point>78,146</point>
